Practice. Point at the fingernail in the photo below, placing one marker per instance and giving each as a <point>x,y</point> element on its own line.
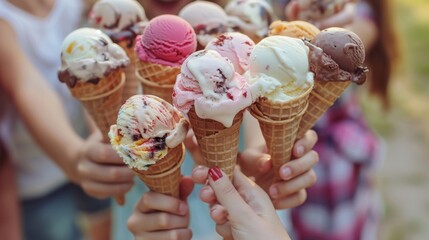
<point>286,172</point>
<point>215,173</point>
<point>274,192</point>
<point>300,150</point>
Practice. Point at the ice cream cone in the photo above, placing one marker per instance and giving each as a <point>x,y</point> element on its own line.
<point>158,73</point>
<point>218,144</point>
<point>157,79</point>
<point>104,103</point>
<point>321,98</point>
<point>164,91</point>
<point>279,123</point>
<point>132,86</point>
<point>165,177</point>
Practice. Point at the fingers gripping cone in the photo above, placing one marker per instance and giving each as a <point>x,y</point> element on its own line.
<point>164,176</point>
<point>218,144</point>
<point>279,124</point>
<point>102,101</point>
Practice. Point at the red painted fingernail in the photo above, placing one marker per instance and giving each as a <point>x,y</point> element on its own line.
<point>215,173</point>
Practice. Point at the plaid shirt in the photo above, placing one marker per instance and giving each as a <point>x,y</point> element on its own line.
<point>341,206</point>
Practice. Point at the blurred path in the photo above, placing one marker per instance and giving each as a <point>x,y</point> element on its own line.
<point>404,182</point>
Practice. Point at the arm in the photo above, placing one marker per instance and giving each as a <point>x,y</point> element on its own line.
<point>95,166</point>
<point>37,103</point>
<point>10,222</point>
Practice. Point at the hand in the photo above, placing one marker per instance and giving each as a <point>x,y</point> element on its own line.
<point>344,17</point>
<point>158,216</point>
<point>193,148</point>
<point>101,171</point>
<point>341,19</point>
<point>241,210</point>
<point>297,175</point>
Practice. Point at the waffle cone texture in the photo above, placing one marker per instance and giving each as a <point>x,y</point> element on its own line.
<point>218,144</point>
<point>102,100</point>
<point>164,91</point>
<point>279,124</point>
<point>164,176</point>
<point>322,97</point>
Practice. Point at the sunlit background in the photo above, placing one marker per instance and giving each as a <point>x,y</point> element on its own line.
<point>404,176</point>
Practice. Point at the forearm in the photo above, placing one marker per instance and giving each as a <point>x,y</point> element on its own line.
<point>45,118</point>
<point>37,103</point>
<point>10,221</point>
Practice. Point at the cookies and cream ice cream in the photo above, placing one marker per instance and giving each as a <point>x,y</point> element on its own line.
<point>207,18</point>
<point>119,19</point>
<point>251,17</point>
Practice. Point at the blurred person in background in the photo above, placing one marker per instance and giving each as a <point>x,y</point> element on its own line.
<point>344,203</point>
<point>43,127</point>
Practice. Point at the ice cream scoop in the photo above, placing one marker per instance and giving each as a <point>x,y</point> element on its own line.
<point>87,55</point>
<point>207,18</point>
<point>338,55</point>
<point>279,68</point>
<point>251,17</point>
<point>118,18</point>
<point>313,10</point>
<point>209,83</point>
<point>147,127</point>
<point>236,47</point>
<point>166,40</point>
<point>296,29</point>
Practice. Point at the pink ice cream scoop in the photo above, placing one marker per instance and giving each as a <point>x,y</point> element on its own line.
<point>235,46</point>
<point>209,83</point>
<point>166,40</point>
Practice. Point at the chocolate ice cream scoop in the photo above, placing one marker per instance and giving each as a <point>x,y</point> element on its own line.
<point>337,54</point>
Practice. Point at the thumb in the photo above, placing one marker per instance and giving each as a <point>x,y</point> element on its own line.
<point>292,11</point>
<point>186,187</point>
<point>338,20</point>
<point>254,162</point>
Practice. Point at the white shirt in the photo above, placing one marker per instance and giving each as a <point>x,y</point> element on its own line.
<point>40,39</point>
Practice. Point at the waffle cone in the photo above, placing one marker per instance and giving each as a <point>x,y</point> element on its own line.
<point>279,124</point>
<point>82,90</point>
<point>218,144</point>
<point>321,98</point>
<point>166,181</point>
<point>103,107</point>
<point>158,73</point>
<point>131,86</point>
<point>164,91</point>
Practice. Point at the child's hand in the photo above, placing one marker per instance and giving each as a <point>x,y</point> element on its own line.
<point>101,172</point>
<point>158,216</point>
<point>297,174</point>
<point>241,210</point>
